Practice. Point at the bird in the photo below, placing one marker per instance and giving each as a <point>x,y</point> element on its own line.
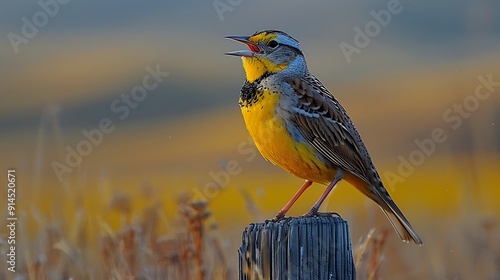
<point>297,124</point>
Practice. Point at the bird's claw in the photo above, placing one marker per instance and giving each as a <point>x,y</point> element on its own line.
<point>278,217</point>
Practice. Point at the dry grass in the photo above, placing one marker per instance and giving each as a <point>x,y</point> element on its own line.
<point>190,249</point>
<point>368,255</point>
<point>149,246</point>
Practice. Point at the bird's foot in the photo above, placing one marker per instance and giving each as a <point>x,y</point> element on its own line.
<point>313,212</point>
<point>278,217</point>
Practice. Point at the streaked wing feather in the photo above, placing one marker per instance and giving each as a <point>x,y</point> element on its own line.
<point>325,124</point>
<point>326,127</point>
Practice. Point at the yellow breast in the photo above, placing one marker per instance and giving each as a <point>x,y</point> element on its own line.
<point>275,143</point>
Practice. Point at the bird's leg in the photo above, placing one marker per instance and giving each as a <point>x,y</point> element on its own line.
<point>314,210</point>
<point>289,204</point>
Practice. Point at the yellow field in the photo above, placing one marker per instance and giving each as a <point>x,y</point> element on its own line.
<point>448,199</point>
<point>123,201</point>
<point>446,212</point>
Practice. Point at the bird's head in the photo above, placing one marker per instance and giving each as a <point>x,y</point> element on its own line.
<point>270,52</point>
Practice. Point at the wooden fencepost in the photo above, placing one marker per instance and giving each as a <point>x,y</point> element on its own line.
<point>297,248</point>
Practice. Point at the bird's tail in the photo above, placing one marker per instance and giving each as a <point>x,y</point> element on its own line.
<point>380,196</point>
<point>401,224</point>
<point>398,220</point>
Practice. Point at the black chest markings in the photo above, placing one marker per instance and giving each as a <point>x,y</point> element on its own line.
<point>252,92</point>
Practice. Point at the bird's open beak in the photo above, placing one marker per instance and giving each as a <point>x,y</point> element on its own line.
<point>253,48</point>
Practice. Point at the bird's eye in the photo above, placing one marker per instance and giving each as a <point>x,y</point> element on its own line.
<point>273,44</point>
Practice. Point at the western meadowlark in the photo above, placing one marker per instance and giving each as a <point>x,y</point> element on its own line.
<point>297,124</point>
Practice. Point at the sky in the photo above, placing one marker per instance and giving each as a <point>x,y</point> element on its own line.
<point>84,54</point>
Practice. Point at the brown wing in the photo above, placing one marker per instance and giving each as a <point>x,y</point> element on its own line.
<point>326,126</point>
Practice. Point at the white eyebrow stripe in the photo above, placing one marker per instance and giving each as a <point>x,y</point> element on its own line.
<point>288,41</point>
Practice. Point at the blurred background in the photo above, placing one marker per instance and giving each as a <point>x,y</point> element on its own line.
<point>117,115</point>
